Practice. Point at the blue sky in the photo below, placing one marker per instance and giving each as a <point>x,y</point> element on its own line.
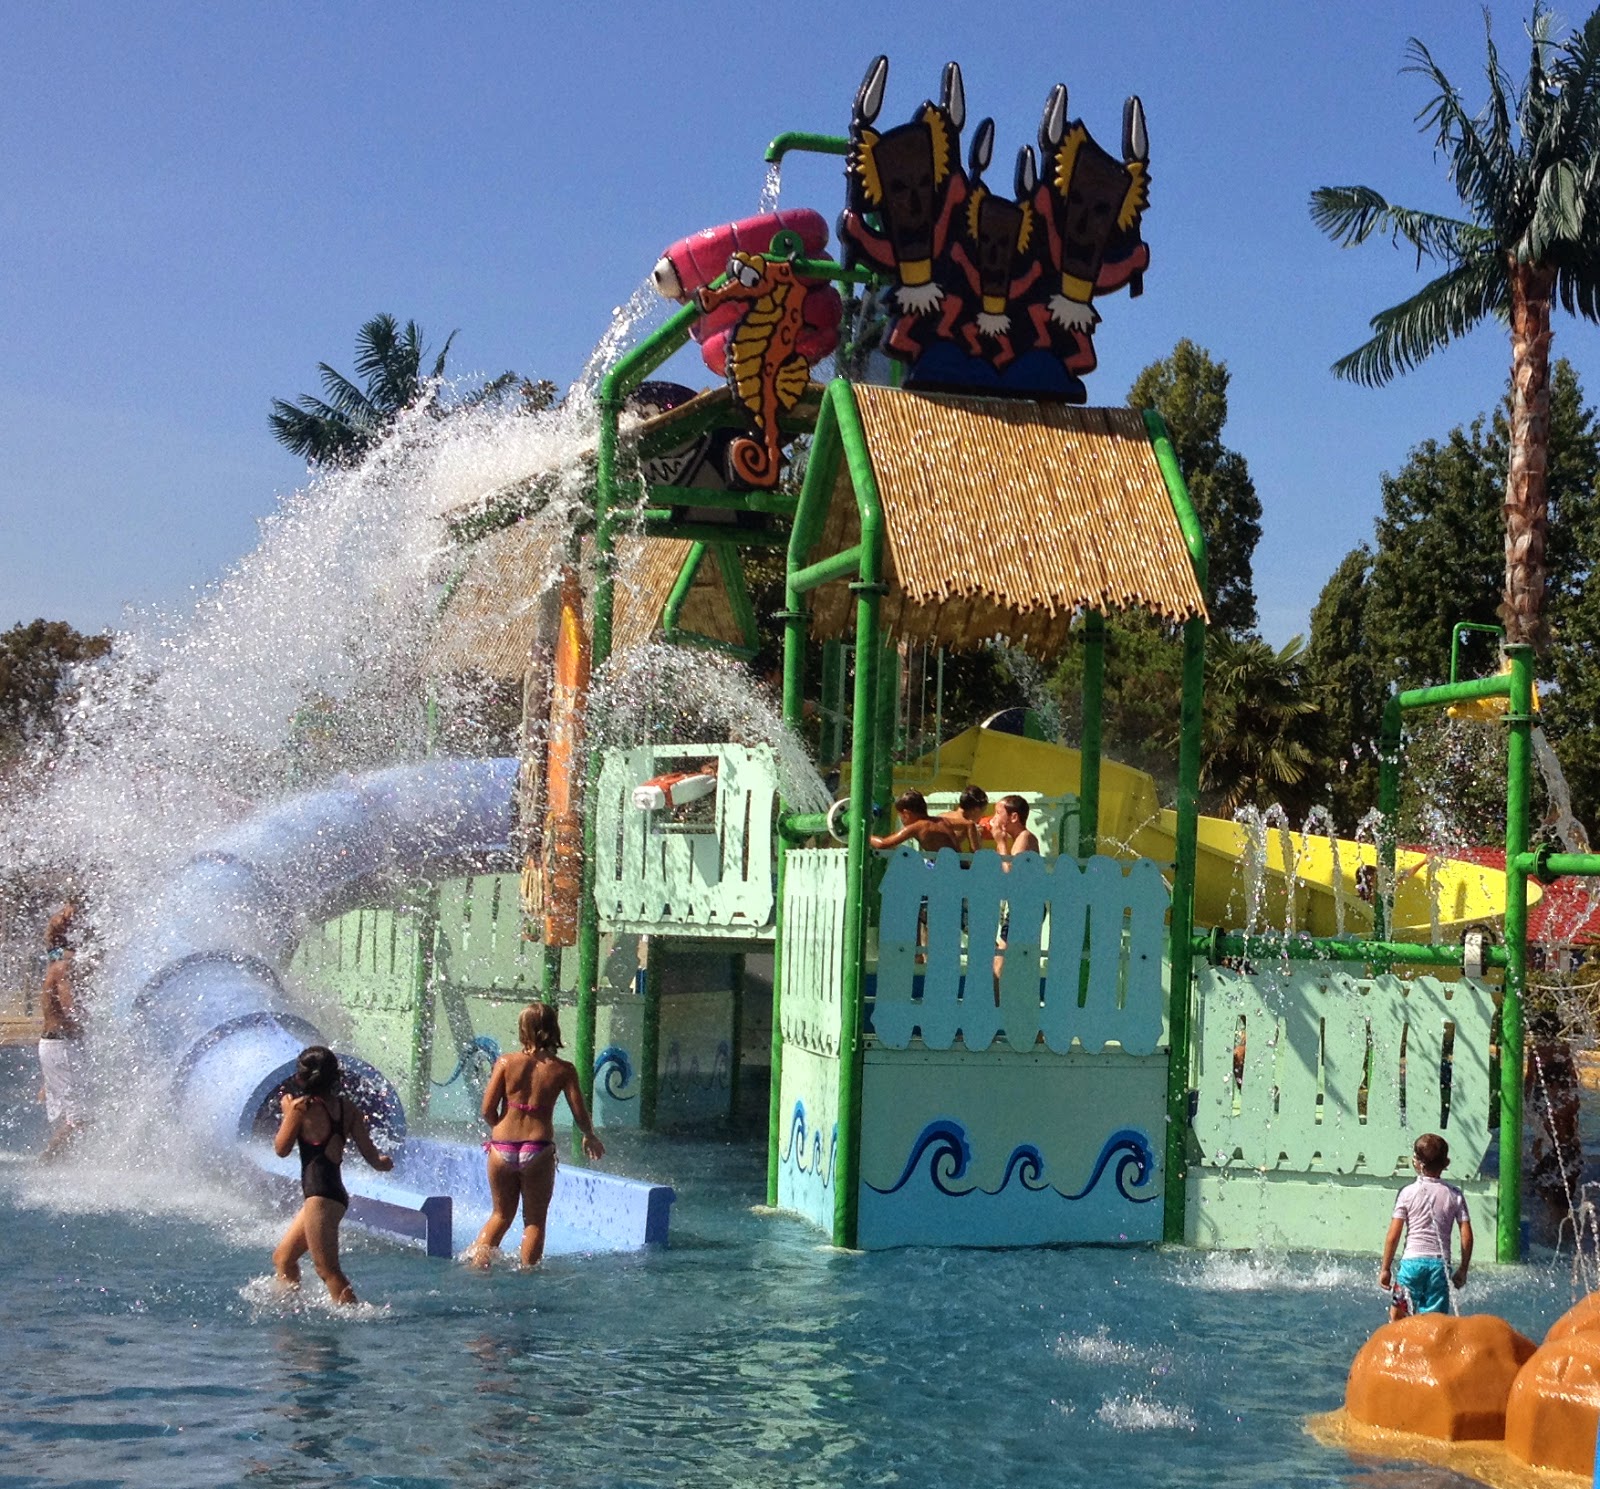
<point>199,203</point>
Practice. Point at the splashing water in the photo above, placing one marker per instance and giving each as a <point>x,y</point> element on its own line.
<point>771,188</point>
<point>665,694</point>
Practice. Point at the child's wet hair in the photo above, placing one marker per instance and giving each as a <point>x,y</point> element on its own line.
<point>317,1070</point>
<point>1432,1152</point>
<point>539,1028</point>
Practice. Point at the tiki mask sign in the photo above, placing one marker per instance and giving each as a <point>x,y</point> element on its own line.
<point>992,292</point>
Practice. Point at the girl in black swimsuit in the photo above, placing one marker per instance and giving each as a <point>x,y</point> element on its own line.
<point>320,1123</point>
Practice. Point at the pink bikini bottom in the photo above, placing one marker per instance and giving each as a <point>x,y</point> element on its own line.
<point>517,1155</point>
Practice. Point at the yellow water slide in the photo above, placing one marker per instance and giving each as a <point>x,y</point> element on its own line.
<point>1436,898</point>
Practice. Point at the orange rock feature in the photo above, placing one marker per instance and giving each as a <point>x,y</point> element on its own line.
<point>1584,1314</point>
<point>1555,1403</point>
<point>1438,1376</point>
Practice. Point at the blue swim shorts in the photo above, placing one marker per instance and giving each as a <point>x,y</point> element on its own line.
<point>1424,1278</point>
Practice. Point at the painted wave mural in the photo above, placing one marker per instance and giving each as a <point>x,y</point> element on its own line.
<point>937,1201</point>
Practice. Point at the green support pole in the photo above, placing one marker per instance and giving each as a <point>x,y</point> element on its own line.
<point>655,953</point>
<point>869,590</point>
<point>774,1089</point>
<point>886,737</point>
<point>851,1053</point>
<point>1180,955</point>
<point>1389,737</point>
<point>425,922</point>
<point>1094,679</point>
<point>1519,758</point>
<point>736,1035</point>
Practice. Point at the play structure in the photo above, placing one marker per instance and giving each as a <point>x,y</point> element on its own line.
<point>1161,1028</point>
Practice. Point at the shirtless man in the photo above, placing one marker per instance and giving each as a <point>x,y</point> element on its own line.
<point>967,818</point>
<point>930,834</point>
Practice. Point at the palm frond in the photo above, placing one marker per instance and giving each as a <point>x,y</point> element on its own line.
<point>1558,213</point>
<point>1574,127</point>
<point>438,366</point>
<point>1352,214</point>
<point>349,401</point>
<point>1441,311</point>
<point>1480,166</point>
<point>378,343</point>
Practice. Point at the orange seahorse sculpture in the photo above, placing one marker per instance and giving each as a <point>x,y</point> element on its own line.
<point>766,372</point>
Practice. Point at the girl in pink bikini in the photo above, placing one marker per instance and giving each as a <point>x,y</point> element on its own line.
<point>522,1149</point>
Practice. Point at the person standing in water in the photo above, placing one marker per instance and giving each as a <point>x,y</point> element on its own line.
<point>61,1039</point>
<point>518,1105</point>
<point>320,1122</point>
<point>1427,1211</point>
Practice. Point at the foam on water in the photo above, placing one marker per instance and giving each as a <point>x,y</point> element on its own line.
<point>267,1300</point>
<point>1141,1414</point>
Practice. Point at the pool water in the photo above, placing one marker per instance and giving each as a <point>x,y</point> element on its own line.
<point>141,1344</point>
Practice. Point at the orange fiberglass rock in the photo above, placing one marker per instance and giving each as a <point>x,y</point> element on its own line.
<point>1584,1314</point>
<point>1555,1404</point>
<point>1438,1376</point>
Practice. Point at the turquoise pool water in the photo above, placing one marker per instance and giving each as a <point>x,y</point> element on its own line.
<point>140,1345</point>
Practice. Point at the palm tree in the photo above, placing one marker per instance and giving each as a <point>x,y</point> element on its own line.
<point>1260,728</point>
<point>342,428</point>
<point>1527,170</point>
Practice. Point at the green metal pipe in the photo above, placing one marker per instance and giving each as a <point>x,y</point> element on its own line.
<point>681,587</point>
<point>1441,694</point>
<point>776,503</point>
<point>1389,735</point>
<point>1456,633</point>
<point>655,955</point>
<point>825,571</point>
<point>1094,680</point>
<point>775,1088</point>
<point>659,523</point>
<point>1180,955</point>
<point>424,922</point>
<point>798,826</point>
<point>798,139</point>
<point>1519,761</point>
<point>1219,945</point>
<point>1547,867</point>
<point>869,590</point>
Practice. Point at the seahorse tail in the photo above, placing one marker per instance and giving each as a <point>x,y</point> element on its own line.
<point>754,461</point>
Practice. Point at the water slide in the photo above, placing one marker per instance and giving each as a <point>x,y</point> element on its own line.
<point>1435,897</point>
<point>203,989</point>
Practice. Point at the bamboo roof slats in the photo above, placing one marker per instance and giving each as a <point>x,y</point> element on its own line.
<point>1004,517</point>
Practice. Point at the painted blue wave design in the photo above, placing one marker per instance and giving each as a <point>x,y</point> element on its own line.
<point>476,1060</point>
<point>1136,1154</point>
<point>613,1067</point>
<point>943,1142</point>
<point>945,1150</point>
<point>796,1152</point>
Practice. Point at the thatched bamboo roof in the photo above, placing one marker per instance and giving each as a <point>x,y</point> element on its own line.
<point>487,624</point>
<point>1005,517</point>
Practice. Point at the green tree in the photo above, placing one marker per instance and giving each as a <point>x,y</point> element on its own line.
<point>341,427</point>
<point>37,663</point>
<point>1189,389</point>
<point>1340,679</point>
<point>1527,170</point>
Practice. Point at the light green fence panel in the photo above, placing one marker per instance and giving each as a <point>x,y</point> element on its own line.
<point>1102,982</point>
<point>812,971</point>
<point>810,1014</point>
<point>1317,1070</point>
<point>480,942</point>
<point>706,869</point>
